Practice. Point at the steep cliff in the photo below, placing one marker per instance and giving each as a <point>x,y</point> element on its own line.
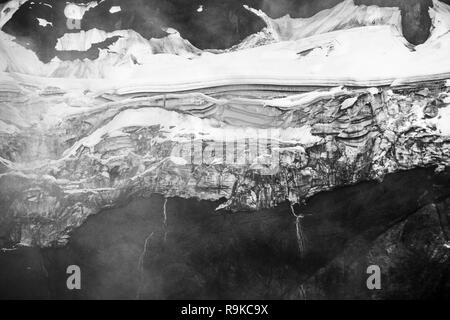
<point>255,131</point>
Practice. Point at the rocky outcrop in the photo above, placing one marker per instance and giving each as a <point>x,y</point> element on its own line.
<point>174,248</point>
<point>413,256</point>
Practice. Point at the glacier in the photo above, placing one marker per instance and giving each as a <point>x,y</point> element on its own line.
<point>304,106</point>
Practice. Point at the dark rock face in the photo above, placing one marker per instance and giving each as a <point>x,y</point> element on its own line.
<point>416,22</point>
<point>220,24</point>
<point>182,249</point>
<point>412,255</point>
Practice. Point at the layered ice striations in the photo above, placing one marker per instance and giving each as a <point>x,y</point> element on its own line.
<point>66,155</point>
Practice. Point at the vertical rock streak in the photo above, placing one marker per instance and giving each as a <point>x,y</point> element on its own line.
<point>141,268</point>
<point>165,219</point>
<point>301,238</point>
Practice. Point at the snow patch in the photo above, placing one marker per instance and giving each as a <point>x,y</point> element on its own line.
<point>443,121</point>
<point>77,10</point>
<point>44,23</point>
<point>115,9</point>
<point>348,103</point>
<point>178,161</point>
<point>130,44</point>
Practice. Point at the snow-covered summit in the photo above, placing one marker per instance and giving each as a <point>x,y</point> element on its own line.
<point>345,15</point>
